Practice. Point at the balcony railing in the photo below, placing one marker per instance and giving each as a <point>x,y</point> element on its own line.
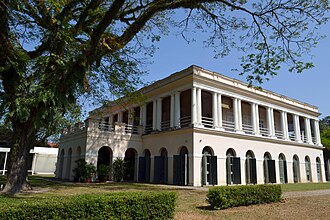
<point>292,136</point>
<point>248,129</point>
<point>279,134</point>
<point>314,139</point>
<point>185,121</point>
<point>105,126</point>
<point>131,129</point>
<point>165,125</point>
<point>148,129</point>
<point>207,122</point>
<point>264,132</point>
<point>228,125</point>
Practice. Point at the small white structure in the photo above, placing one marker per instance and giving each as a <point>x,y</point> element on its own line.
<point>43,160</point>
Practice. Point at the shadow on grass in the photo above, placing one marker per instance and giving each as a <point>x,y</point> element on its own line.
<point>205,208</point>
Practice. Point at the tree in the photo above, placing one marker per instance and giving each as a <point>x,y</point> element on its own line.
<point>54,51</point>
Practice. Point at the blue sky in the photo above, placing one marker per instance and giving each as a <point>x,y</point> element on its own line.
<point>174,54</point>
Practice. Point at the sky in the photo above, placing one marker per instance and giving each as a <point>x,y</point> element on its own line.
<point>310,86</point>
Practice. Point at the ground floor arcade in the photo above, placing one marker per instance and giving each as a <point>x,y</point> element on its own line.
<point>202,158</point>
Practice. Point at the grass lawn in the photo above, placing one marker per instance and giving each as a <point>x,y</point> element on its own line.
<point>191,203</point>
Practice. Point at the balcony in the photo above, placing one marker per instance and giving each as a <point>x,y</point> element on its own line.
<point>94,125</point>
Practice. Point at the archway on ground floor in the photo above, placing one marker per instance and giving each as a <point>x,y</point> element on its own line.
<point>250,168</point>
<point>269,169</point>
<point>296,169</point>
<point>68,164</point>
<point>318,169</point>
<point>78,153</point>
<point>209,167</point>
<point>144,166</point>
<point>282,168</point>
<point>130,159</point>
<point>181,167</point>
<point>308,169</point>
<point>161,167</point>
<point>60,166</point>
<point>233,167</point>
<point>104,156</point>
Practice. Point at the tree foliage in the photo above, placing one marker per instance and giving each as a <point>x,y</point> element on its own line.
<point>325,131</point>
<point>54,51</point>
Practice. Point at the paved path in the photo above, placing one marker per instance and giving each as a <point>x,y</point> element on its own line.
<point>306,193</point>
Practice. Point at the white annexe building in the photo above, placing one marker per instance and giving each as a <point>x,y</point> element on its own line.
<point>197,127</point>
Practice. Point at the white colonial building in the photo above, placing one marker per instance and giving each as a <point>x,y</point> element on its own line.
<point>197,127</point>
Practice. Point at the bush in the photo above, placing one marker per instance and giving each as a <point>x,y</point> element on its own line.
<point>133,205</point>
<point>118,167</point>
<point>83,171</point>
<point>222,197</point>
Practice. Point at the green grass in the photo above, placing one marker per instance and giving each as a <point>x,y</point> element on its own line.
<point>293,187</point>
<point>191,203</point>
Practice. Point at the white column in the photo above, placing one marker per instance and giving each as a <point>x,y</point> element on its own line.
<point>177,110</point>
<point>270,122</point>
<point>240,121</point>
<point>193,106</point>
<point>317,133</point>
<point>257,119</point>
<point>237,115</point>
<point>4,164</point>
<point>172,112</point>
<point>120,117</point>
<point>284,125</point>
<point>254,118</point>
<point>220,112</point>
<point>308,131</point>
<point>144,116</point>
<point>141,116</point>
<point>154,115</point>
<point>297,128</point>
<point>159,114</point>
<point>199,106</point>
<point>215,109</point>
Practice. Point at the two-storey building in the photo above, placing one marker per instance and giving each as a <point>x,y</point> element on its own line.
<point>197,127</point>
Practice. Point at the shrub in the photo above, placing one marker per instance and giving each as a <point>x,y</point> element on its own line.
<point>103,172</point>
<point>118,167</point>
<point>83,170</point>
<point>133,205</point>
<point>222,197</point>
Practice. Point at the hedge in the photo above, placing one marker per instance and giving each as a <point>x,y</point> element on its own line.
<point>132,205</point>
<point>222,197</point>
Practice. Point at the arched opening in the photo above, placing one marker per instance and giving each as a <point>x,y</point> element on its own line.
<point>269,169</point>
<point>233,167</point>
<point>144,167</point>
<point>104,156</point>
<point>60,165</point>
<point>68,165</point>
<point>209,167</point>
<point>250,168</point>
<point>181,167</point>
<point>296,169</point>
<point>78,153</point>
<point>161,167</point>
<point>319,169</point>
<point>130,156</point>
<point>308,169</point>
<point>282,168</point>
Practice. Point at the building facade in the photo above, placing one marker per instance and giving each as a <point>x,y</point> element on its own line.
<point>197,127</point>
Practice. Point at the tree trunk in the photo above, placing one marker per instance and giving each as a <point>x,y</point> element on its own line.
<point>18,158</point>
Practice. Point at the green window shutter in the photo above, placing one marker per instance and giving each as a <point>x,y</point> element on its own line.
<point>271,171</point>
<point>236,170</point>
<point>142,169</point>
<point>214,170</point>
